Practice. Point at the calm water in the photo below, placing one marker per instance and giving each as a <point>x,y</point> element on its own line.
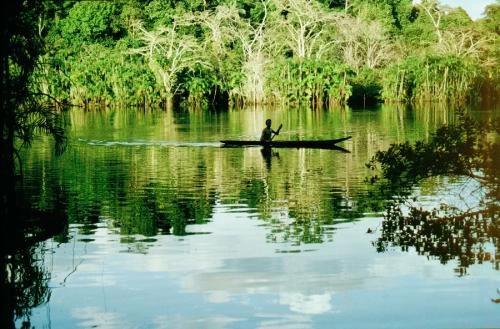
<point>167,229</point>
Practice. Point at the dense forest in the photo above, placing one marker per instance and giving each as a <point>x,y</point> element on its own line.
<point>315,53</point>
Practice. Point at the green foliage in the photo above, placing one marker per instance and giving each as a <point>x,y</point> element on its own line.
<point>418,33</point>
<point>366,87</point>
<point>492,17</point>
<point>92,21</point>
<point>394,14</point>
<point>309,82</point>
<point>490,28</point>
<point>334,4</point>
<point>250,9</point>
<point>241,57</point>
<point>458,149</point>
<point>457,18</point>
<point>23,113</point>
<point>159,12</point>
<point>98,75</point>
<point>398,82</point>
<point>445,77</point>
<point>432,78</point>
<point>109,76</point>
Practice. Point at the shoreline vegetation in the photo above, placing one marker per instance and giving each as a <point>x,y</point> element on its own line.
<point>307,53</point>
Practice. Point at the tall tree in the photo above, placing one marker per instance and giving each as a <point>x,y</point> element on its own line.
<point>364,42</point>
<point>18,51</point>
<point>304,27</point>
<point>220,27</point>
<point>22,113</point>
<point>252,38</point>
<point>490,22</point>
<point>168,52</point>
<point>393,14</point>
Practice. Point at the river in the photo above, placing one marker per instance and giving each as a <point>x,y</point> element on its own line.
<point>168,229</point>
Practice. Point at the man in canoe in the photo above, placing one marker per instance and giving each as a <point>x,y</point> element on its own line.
<point>267,133</point>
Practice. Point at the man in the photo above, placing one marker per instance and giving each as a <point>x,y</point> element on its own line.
<point>267,133</point>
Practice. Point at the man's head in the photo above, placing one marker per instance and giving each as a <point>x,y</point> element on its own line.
<point>268,122</point>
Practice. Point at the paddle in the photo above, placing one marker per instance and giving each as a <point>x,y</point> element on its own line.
<point>277,131</point>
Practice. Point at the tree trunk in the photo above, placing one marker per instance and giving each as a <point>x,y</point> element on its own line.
<point>169,105</point>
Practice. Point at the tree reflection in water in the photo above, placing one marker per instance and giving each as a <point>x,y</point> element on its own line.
<point>25,277</point>
<point>455,235</point>
<point>469,234</point>
<point>25,286</point>
<point>163,211</point>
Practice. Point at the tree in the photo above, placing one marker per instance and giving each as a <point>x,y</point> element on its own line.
<point>168,52</point>
<point>455,32</point>
<point>435,14</point>
<point>92,21</point>
<point>304,28</point>
<point>393,14</point>
<point>363,43</point>
<point>230,34</point>
<point>252,40</point>
<point>22,115</point>
<point>490,22</point>
<point>242,51</point>
<point>462,43</point>
<point>301,36</point>
<point>220,27</point>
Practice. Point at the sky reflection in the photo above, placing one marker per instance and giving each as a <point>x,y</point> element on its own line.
<point>235,279</point>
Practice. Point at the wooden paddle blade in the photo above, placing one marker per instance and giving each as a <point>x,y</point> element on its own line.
<point>277,131</point>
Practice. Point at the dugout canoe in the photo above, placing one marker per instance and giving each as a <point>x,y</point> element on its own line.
<point>318,144</point>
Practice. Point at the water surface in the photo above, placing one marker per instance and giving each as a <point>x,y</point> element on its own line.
<point>167,229</point>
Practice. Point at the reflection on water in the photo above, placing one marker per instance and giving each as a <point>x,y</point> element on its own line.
<point>169,229</point>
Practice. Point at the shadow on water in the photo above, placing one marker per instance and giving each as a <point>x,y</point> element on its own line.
<point>25,277</point>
